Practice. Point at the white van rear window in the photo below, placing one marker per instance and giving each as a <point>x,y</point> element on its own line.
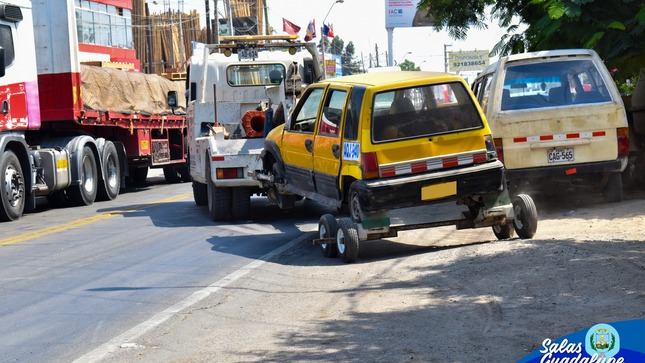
<point>552,84</point>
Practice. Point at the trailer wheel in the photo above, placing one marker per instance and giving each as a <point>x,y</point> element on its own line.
<point>347,239</point>
<point>613,191</point>
<point>139,175</point>
<point>171,174</point>
<point>241,203</point>
<point>219,199</point>
<point>504,231</point>
<point>13,187</point>
<point>200,194</point>
<point>525,221</point>
<point>327,229</point>
<point>109,189</point>
<point>85,193</point>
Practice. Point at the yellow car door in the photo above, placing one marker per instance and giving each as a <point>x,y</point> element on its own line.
<point>328,142</point>
<point>298,140</point>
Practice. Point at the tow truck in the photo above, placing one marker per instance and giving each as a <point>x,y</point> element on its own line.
<point>238,90</point>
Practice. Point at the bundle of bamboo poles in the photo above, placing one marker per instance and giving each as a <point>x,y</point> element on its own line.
<point>157,39</point>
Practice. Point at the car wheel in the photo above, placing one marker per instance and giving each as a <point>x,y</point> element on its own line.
<point>354,205</point>
<point>613,191</point>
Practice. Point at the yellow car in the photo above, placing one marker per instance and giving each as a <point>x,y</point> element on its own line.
<point>381,144</point>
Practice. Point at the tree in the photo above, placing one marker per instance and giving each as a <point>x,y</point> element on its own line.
<point>615,29</point>
<point>408,65</point>
<point>350,64</point>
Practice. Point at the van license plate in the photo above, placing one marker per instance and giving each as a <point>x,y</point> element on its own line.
<point>560,155</point>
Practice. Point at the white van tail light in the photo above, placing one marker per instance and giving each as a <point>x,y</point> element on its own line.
<point>499,148</point>
<point>622,133</point>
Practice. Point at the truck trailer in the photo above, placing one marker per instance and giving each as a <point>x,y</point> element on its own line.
<point>78,119</point>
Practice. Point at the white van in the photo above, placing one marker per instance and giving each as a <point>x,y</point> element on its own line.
<point>558,121</point>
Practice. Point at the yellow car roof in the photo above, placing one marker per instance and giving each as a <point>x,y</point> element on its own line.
<point>393,77</point>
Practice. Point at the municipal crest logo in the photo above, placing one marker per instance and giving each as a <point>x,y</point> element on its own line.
<point>603,341</point>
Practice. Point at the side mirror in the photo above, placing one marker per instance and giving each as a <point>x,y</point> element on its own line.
<point>173,100</point>
<point>2,65</point>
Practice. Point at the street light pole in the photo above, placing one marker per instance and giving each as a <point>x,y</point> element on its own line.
<point>323,38</point>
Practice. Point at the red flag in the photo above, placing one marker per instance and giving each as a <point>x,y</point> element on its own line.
<point>289,27</point>
<point>311,31</point>
<point>328,30</point>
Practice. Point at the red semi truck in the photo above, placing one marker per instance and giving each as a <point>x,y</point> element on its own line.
<point>77,118</point>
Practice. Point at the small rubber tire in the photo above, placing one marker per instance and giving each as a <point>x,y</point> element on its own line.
<point>504,231</point>
<point>12,187</point>
<point>613,190</point>
<point>327,229</point>
<point>200,194</point>
<point>526,220</point>
<point>347,240</point>
<point>85,192</point>
<point>241,203</point>
<point>111,181</point>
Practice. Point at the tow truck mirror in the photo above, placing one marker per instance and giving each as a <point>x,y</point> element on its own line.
<point>2,65</point>
<point>173,100</point>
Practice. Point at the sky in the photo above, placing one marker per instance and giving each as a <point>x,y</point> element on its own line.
<point>363,23</point>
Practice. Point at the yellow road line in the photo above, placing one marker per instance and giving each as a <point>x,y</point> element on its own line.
<point>80,222</point>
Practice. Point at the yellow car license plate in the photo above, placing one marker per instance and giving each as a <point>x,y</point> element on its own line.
<point>438,191</point>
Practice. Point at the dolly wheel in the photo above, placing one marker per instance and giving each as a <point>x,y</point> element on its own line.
<point>525,221</point>
<point>347,239</point>
<point>327,229</point>
<point>504,231</point>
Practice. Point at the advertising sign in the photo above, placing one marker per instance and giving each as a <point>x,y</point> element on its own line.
<point>404,14</point>
<point>472,60</point>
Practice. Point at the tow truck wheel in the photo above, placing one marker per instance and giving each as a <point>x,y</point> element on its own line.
<point>200,194</point>
<point>85,192</point>
<point>13,187</point>
<point>219,199</point>
<point>241,203</point>
<point>525,221</point>
<point>219,202</point>
<point>504,231</point>
<point>327,229</point>
<point>347,239</point>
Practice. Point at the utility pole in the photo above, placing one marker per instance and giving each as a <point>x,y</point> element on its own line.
<point>182,50</point>
<point>445,57</point>
<point>208,20</point>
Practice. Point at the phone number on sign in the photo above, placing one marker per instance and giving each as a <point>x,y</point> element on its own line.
<point>469,63</point>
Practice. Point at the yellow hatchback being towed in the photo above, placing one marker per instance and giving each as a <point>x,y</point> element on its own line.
<point>383,142</point>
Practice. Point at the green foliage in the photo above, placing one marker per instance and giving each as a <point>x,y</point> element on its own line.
<point>615,29</point>
<point>408,65</point>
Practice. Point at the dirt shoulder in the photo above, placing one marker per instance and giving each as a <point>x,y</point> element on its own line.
<point>434,295</point>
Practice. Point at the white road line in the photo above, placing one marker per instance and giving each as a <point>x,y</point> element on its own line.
<point>129,336</point>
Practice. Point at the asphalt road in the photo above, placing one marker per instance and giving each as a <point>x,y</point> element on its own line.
<point>74,278</point>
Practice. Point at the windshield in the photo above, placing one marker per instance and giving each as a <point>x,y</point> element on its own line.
<point>422,111</point>
<point>255,74</point>
<point>550,84</point>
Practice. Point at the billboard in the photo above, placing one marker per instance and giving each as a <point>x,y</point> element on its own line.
<point>404,14</point>
<point>471,60</point>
